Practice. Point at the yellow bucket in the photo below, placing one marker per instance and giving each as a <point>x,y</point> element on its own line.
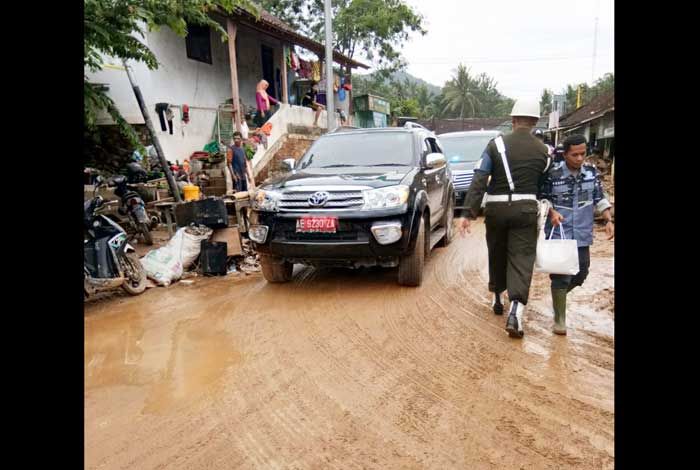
<point>191,192</point>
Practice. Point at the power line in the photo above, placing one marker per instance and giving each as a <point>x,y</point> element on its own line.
<point>503,61</point>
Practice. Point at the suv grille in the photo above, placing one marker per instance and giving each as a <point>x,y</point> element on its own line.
<point>299,200</point>
<point>462,179</point>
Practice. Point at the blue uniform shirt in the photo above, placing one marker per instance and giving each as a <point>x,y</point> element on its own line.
<point>575,198</point>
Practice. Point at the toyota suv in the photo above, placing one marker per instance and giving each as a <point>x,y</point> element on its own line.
<point>463,150</point>
<point>360,197</point>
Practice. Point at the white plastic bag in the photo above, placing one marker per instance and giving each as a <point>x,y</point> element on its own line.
<point>166,264</point>
<point>556,256</point>
<point>162,265</point>
<point>189,243</point>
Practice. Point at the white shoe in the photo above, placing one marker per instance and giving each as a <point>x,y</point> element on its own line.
<point>514,324</point>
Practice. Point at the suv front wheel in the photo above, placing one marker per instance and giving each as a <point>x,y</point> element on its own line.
<point>275,271</point>
<point>411,266</point>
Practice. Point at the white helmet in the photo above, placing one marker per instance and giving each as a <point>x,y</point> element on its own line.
<point>529,107</point>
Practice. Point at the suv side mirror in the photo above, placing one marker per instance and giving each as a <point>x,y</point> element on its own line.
<point>288,164</point>
<point>435,160</point>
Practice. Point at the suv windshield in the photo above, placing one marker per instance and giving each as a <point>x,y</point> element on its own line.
<point>350,150</point>
<point>466,148</point>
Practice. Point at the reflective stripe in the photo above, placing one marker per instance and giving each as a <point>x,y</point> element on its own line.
<point>502,150</point>
<point>510,197</point>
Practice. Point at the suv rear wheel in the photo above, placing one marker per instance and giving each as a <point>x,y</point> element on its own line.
<point>275,271</point>
<point>411,266</point>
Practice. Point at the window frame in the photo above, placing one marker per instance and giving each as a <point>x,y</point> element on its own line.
<point>194,42</point>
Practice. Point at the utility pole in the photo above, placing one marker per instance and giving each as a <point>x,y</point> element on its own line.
<point>151,130</point>
<point>330,97</point>
<point>595,42</point>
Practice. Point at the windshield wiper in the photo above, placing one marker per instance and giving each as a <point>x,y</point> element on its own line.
<point>336,166</point>
<point>389,164</point>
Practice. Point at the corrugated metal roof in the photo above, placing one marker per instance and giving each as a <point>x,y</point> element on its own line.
<point>599,106</point>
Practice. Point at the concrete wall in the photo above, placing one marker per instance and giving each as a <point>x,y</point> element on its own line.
<point>180,80</point>
<point>296,115</point>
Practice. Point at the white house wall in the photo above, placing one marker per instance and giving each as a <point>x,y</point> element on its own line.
<point>249,61</point>
<point>180,80</point>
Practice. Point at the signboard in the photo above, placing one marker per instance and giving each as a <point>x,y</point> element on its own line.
<point>553,120</point>
<point>609,132</point>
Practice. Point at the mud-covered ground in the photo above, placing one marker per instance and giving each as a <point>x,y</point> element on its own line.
<point>346,369</point>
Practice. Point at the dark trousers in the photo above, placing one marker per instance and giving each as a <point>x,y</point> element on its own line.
<point>563,281</point>
<point>511,236</point>
<point>262,117</point>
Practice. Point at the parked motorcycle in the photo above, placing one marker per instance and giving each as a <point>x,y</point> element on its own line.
<point>109,261</point>
<point>132,207</point>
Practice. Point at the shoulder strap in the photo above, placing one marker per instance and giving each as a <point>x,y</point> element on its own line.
<point>502,150</point>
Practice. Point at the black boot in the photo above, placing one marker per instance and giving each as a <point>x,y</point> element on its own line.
<point>497,304</point>
<point>514,324</point>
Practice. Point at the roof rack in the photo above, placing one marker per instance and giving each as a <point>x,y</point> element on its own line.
<point>412,125</point>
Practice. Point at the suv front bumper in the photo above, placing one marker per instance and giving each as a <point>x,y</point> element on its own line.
<point>353,241</point>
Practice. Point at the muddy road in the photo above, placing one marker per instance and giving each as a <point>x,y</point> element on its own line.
<point>346,369</point>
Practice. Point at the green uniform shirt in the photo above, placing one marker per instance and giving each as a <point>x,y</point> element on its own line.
<point>527,159</point>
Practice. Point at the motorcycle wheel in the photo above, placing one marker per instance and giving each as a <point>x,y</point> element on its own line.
<point>146,233</point>
<point>135,282</point>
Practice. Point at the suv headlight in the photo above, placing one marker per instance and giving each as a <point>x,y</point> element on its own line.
<point>382,198</point>
<point>266,200</point>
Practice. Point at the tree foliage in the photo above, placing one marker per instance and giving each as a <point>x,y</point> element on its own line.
<point>604,84</point>
<point>114,28</point>
<point>546,101</point>
<point>377,28</point>
<point>409,98</point>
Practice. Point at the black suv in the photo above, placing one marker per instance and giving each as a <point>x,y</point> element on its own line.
<point>361,197</point>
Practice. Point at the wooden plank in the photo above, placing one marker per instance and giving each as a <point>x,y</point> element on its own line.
<point>232,29</point>
<point>232,238</point>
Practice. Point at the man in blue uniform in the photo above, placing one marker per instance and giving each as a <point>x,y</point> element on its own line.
<point>575,192</point>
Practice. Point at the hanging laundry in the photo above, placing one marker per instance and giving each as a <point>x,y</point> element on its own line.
<point>305,68</point>
<point>341,90</point>
<point>287,57</point>
<point>316,71</point>
<point>295,61</point>
<point>169,115</point>
<point>185,113</point>
<point>160,109</point>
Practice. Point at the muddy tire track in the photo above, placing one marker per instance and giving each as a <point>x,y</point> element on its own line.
<point>346,369</point>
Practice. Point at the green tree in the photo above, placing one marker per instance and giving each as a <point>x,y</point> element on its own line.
<point>377,28</point>
<point>572,95</point>
<point>424,99</point>
<point>546,101</point>
<point>461,92</point>
<point>604,84</point>
<point>113,28</point>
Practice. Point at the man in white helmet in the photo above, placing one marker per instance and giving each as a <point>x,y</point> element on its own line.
<point>516,164</point>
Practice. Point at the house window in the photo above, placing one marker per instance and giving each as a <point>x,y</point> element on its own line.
<point>198,43</point>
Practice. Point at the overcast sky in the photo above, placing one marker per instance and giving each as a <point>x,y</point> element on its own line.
<point>525,46</point>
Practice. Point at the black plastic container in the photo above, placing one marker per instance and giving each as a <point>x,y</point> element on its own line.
<point>212,258</point>
<point>210,212</point>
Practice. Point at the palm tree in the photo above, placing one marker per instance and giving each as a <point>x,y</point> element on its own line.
<point>461,92</point>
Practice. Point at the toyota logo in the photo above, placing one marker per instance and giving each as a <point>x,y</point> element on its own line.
<point>319,198</point>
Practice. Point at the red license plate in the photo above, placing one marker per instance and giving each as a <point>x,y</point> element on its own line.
<point>317,224</point>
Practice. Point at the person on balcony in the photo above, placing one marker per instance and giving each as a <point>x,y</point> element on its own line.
<point>263,100</point>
